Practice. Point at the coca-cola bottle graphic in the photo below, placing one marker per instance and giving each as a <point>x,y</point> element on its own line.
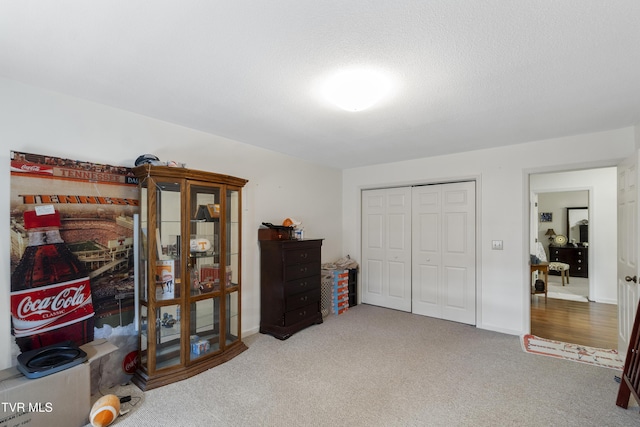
<point>50,289</point>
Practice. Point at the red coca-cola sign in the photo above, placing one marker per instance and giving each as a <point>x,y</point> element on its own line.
<point>130,362</point>
<point>31,168</point>
<point>42,309</point>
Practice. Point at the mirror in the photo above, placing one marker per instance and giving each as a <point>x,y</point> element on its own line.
<point>578,224</point>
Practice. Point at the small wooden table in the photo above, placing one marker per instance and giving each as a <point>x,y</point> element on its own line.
<point>544,268</point>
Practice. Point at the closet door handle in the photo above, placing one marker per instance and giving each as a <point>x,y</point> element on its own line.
<point>633,279</point>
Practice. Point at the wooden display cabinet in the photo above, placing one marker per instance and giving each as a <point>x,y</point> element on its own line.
<point>189,277</point>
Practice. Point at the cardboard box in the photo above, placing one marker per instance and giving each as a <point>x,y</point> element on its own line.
<point>200,347</point>
<point>62,399</point>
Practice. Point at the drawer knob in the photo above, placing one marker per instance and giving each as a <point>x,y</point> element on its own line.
<point>303,269</point>
<point>304,255</point>
<point>303,313</point>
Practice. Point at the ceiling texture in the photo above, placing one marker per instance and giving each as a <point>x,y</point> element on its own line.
<point>467,74</point>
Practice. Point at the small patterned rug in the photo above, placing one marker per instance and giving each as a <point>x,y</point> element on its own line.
<point>575,352</point>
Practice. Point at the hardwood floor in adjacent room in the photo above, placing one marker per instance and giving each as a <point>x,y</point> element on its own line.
<point>587,323</point>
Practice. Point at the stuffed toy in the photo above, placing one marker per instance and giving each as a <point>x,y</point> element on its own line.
<point>105,410</point>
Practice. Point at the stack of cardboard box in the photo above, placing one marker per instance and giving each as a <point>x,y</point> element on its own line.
<point>340,293</point>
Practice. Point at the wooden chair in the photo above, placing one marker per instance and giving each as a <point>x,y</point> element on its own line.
<point>562,267</point>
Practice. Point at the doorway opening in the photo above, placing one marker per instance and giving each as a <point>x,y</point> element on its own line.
<point>563,239</point>
<point>564,204</point>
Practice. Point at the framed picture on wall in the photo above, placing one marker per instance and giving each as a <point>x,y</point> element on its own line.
<point>546,216</point>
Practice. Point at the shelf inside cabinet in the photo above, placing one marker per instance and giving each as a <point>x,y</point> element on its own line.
<point>208,213</point>
<point>202,254</point>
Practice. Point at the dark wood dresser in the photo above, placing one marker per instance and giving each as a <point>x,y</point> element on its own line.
<point>289,286</point>
<point>576,257</point>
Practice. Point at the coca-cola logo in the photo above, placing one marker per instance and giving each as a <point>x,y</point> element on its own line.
<point>130,362</point>
<point>32,168</point>
<point>67,299</point>
<point>50,307</point>
<point>17,166</point>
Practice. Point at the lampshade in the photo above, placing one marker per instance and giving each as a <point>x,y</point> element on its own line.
<point>550,232</point>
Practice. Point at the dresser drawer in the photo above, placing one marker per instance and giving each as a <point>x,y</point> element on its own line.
<point>297,271</point>
<point>577,258</point>
<point>301,285</point>
<point>299,256</point>
<point>300,300</point>
<point>300,314</point>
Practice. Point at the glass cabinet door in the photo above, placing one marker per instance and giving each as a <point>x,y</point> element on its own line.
<point>167,278</point>
<point>204,327</point>
<point>232,265</point>
<point>161,229</point>
<point>167,336</point>
<point>232,331</point>
<point>205,273</point>
<point>167,241</point>
<point>143,258</point>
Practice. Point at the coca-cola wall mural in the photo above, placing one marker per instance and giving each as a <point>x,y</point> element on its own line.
<point>72,264</point>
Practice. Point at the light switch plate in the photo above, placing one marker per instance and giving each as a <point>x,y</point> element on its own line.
<point>496,245</point>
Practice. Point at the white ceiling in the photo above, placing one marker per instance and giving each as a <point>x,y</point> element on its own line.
<point>469,74</point>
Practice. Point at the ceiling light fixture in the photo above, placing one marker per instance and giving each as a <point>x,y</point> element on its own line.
<point>356,90</point>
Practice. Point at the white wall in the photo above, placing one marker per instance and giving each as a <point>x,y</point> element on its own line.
<point>41,122</point>
<point>603,223</point>
<point>503,211</point>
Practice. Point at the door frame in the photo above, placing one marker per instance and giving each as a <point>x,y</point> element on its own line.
<point>527,232</point>
<point>478,229</point>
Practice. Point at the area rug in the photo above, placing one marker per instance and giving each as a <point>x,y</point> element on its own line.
<point>574,352</point>
<point>570,297</point>
<point>577,290</point>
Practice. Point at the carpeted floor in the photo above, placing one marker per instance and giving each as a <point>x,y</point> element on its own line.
<point>378,367</point>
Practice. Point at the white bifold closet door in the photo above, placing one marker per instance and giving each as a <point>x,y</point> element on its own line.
<point>386,248</point>
<point>418,250</point>
<point>443,251</point>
